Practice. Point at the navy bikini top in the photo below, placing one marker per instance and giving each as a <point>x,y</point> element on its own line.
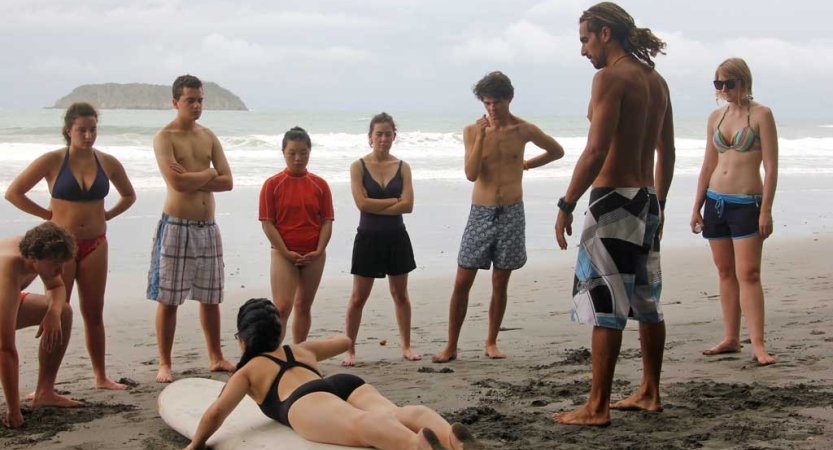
<point>379,222</point>
<point>66,187</point>
<point>272,405</point>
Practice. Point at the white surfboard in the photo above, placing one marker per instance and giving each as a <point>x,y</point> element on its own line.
<point>182,403</point>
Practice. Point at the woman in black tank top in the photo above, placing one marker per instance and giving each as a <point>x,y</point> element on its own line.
<point>287,385</point>
<point>383,191</point>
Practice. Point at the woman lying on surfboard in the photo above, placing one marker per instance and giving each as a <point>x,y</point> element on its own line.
<point>340,409</point>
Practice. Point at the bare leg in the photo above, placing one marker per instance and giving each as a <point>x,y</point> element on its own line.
<point>457,313</point>
<point>361,291</point>
<point>500,284</point>
<point>748,251</point>
<point>284,277</point>
<point>367,398</point>
<point>92,282</point>
<point>308,280</point>
<point>210,321</point>
<point>724,259</point>
<point>329,420</point>
<point>31,313</point>
<point>596,412</point>
<point>402,304</point>
<point>165,331</point>
<point>652,342</point>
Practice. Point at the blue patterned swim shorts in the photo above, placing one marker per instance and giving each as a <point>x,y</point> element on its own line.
<point>494,234</point>
<point>618,274</point>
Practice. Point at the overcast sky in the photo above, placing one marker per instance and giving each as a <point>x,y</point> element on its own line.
<point>419,55</point>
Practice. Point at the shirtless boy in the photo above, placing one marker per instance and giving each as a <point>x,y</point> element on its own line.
<point>187,257</point>
<point>495,232</point>
<point>41,252</point>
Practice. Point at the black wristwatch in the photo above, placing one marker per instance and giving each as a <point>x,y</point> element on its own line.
<point>566,206</point>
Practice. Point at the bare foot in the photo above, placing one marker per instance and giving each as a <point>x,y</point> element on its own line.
<point>582,416</point>
<point>30,396</point>
<point>164,375</point>
<point>493,352</point>
<point>763,357</point>
<point>428,440</point>
<point>221,366</point>
<point>445,356</point>
<point>724,347</point>
<point>110,384</point>
<point>53,399</point>
<point>637,402</point>
<point>349,360</point>
<point>462,439</point>
<point>409,354</point>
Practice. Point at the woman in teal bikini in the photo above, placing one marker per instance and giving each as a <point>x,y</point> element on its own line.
<point>736,204</point>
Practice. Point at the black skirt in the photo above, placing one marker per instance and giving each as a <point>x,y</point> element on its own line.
<point>380,253</point>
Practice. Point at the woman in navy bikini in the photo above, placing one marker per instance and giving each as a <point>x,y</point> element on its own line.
<point>383,191</point>
<point>340,409</point>
<point>737,204</point>
<point>79,178</point>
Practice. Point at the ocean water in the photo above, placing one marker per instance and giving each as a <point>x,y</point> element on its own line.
<point>431,143</point>
<point>433,146</point>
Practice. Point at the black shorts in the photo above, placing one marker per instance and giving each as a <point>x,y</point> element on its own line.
<point>736,221</point>
<point>380,253</point>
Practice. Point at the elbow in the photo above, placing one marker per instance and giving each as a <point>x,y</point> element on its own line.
<point>227,185</point>
<point>472,176</point>
<point>11,197</point>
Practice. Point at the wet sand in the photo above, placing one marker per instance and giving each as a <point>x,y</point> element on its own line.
<point>725,401</point>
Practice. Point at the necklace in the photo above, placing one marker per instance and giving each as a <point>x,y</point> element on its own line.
<point>620,58</point>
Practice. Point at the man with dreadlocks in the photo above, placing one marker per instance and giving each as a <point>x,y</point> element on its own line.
<point>40,253</point>
<point>618,273</point>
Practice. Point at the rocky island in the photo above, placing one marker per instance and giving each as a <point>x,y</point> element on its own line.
<point>146,96</point>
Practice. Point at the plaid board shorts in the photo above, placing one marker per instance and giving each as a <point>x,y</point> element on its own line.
<point>186,262</point>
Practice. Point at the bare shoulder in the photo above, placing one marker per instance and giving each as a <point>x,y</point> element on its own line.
<point>761,110</point>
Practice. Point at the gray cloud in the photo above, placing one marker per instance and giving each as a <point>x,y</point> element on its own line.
<point>367,55</point>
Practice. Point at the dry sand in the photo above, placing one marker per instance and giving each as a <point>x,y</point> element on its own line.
<point>710,402</point>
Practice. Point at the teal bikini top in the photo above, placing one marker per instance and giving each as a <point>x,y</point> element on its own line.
<point>745,139</point>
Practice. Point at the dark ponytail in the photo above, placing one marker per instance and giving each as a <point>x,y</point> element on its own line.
<point>259,327</point>
<point>640,42</point>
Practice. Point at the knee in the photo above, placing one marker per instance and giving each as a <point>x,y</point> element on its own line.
<point>750,275</point>
<point>462,287</point>
<point>400,298</point>
<point>66,313</point>
<point>284,309</point>
<point>726,271</point>
<point>303,308</point>
<point>357,301</point>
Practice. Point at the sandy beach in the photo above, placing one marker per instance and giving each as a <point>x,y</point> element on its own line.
<point>713,402</point>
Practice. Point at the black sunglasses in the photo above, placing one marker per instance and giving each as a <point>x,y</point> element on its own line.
<point>730,84</point>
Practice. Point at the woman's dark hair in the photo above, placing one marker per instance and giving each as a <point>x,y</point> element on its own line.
<point>640,42</point>
<point>382,117</point>
<point>296,134</point>
<point>48,242</point>
<point>76,110</point>
<point>259,327</point>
